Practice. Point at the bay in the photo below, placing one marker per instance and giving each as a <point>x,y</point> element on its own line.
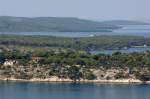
<point>126,30</point>
<point>129,50</point>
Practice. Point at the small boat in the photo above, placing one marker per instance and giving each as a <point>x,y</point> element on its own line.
<point>144,45</point>
<point>92,35</point>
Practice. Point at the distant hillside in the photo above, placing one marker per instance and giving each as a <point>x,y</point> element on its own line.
<point>125,22</point>
<point>50,24</point>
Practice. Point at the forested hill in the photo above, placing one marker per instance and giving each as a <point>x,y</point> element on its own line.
<point>125,22</point>
<point>50,24</point>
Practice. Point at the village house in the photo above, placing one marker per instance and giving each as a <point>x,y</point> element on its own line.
<point>10,62</point>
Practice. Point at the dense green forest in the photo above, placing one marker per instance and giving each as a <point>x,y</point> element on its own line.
<point>70,57</point>
<point>90,43</point>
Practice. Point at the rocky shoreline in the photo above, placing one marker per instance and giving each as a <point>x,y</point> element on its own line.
<point>117,81</point>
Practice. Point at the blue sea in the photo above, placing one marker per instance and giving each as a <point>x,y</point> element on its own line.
<point>16,90</point>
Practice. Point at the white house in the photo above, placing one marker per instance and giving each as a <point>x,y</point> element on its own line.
<point>10,62</point>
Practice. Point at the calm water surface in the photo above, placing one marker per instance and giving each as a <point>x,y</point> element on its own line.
<point>129,50</point>
<point>14,90</point>
<point>129,30</point>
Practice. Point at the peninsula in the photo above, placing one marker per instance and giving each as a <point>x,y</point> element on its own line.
<point>66,65</point>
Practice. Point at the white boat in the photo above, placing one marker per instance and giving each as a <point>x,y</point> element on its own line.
<point>92,35</point>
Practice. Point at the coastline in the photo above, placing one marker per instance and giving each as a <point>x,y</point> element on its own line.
<point>118,81</point>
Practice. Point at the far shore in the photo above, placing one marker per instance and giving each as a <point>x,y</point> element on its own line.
<point>118,81</point>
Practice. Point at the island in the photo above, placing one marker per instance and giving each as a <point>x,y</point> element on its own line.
<point>66,65</point>
<point>52,24</point>
<point>62,59</point>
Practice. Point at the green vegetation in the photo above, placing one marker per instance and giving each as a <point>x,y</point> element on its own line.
<point>68,58</point>
<point>77,58</point>
<point>73,64</point>
<point>125,22</point>
<point>139,76</point>
<point>89,75</point>
<point>120,75</point>
<point>93,43</point>
<point>51,24</point>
